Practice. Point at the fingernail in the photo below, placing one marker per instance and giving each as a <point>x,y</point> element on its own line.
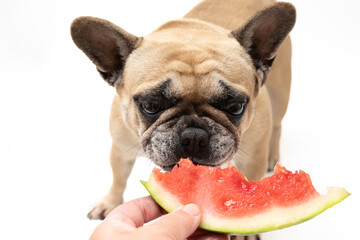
<point>192,209</point>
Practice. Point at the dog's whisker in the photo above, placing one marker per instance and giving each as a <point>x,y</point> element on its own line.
<point>149,162</point>
<point>245,152</point>
<point>239,153</point>
<point>140,152</point>
<point>131,148</point>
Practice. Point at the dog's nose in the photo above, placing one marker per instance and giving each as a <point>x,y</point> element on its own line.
<point>193,139</point>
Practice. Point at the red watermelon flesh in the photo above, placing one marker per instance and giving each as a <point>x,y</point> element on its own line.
<point>232,204</point>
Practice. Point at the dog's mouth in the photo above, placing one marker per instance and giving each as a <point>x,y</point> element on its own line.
<point>170,167</point>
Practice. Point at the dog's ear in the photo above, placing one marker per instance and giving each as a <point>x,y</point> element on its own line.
<point>106,44</point>
<point>262,35</point>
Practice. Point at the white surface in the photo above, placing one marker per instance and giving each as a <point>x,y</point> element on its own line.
<point>54,108</point>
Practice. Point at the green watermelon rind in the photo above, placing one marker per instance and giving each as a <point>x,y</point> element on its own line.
<point>273,219</point>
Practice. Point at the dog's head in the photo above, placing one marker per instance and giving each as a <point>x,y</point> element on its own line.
<point>189,88</point>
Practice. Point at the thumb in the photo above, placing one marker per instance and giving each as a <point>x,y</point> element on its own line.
<point>177,225</point>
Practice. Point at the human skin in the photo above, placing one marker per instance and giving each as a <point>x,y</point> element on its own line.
<point>127,222</point>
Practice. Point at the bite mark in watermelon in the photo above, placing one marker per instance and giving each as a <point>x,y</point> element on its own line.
<point>231,204</point>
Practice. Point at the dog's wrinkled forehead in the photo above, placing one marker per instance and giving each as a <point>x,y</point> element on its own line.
<point>195,60</point>
<point>192,80</point>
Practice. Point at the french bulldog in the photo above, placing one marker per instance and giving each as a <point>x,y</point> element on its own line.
<point>199,87</point>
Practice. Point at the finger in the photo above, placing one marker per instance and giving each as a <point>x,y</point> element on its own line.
<point>177,225</point>
<point>135,213</point>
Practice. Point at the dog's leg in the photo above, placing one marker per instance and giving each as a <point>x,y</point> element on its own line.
<point>121,164</point>
<point>278,85</point>
<point>274,154</point>
<point>253,153</point>
<point>124,150</point>
<point>253,162</point>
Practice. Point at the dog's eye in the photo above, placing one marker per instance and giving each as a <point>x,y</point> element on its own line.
<point>151,108</point>
<point>235,108</point>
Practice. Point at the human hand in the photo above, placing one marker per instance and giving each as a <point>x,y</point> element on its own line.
<point>127,222</point>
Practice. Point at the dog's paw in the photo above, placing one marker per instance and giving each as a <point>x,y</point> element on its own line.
<point>104,207</point>
<point>252,237</point>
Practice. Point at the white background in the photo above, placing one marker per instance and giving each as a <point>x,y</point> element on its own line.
<point>54,109</point>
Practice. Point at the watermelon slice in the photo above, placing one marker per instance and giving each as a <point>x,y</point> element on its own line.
<point>231,204</point>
